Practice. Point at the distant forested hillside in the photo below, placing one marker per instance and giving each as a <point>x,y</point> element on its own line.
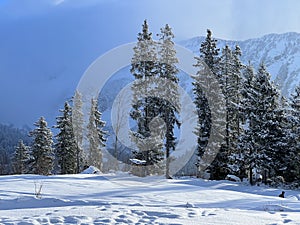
<point>9,137</point>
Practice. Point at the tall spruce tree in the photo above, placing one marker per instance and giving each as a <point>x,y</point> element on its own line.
<point>77,122</point>
<point>42,150</point>
<point>247,108</point>
<point>264,133</point>
<point>266,100</point>
<point>21,158</point>
<point>96,136</point>
<point>66,146</point>
<point>226,74</point>
<point>290,168</point>
<point>208,66</point>
<point>144,68</point>
<point>169,103</point>
<point>279,140</point>
<point>209,53</point>
<point>293,168</point>
<point>239,67</point>
<point>230,76</point>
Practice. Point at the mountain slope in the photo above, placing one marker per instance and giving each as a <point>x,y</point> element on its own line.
<point>280,53</point>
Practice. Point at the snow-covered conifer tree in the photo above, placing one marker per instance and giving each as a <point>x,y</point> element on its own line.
<point>168,72</point>
<point>66,146</point>
<point>144,68</point>
<point>210,53</point>
<point>21,158</point>
<point>96,136</point>
<point>230,75</point>
<point>238,69</point>
<point>264,135</point>
<point>42,150</point>
<point>77,122</point>
<point>208,66</point>
<point>293,157</point>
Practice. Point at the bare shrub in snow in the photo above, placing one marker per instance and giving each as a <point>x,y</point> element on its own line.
<point>38,189</point>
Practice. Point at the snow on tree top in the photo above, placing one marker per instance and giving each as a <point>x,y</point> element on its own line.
<point>138,162</point>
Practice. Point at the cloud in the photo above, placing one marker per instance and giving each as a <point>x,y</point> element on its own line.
<point>58,2</point>
<point>256,18</point>
<point>229,19</point>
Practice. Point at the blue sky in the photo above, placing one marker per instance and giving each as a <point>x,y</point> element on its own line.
<point>46,45</point>
<point>229,19</point>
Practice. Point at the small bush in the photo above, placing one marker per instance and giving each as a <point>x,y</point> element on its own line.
<point>38,189</point>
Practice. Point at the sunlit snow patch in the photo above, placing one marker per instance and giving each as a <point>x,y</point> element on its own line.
<point>91,170</point>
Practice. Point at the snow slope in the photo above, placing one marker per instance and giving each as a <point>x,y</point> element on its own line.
<point>124,199</point>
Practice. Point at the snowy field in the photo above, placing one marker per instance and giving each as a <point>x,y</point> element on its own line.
<point>124,199</point>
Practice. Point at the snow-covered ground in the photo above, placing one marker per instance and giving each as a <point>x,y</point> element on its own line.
<point>125,199</point>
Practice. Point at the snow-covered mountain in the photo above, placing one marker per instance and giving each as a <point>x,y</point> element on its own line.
<point>280,53</point>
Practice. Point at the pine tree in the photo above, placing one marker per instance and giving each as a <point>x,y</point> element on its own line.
<point>21,158</point>
<point>208,68</point>
<point>144,61</point>
<point>144,68</point>
<point>237,83</point>
<point>230,76</point>
<point>66,146</point>
<point>204,123</point>
<point>227,72</point>
<point>238,69</point>
<point>42,151</point>
<point>264,141</point>
<point>168,72</point>
<point>293,158</point>
<point>247,108</point>
<point>77,122</point>
<point>210,53</point>
<point>280,145</point>
<point>4,162</point>
<point>266,97</point>
<point>295,103</point>
<point>96,136</point>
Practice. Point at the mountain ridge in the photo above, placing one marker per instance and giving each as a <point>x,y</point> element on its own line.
<point>280,53</point>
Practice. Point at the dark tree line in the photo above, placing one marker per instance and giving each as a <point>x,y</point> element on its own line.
<point>9,138</point>
<point>62,153</point>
